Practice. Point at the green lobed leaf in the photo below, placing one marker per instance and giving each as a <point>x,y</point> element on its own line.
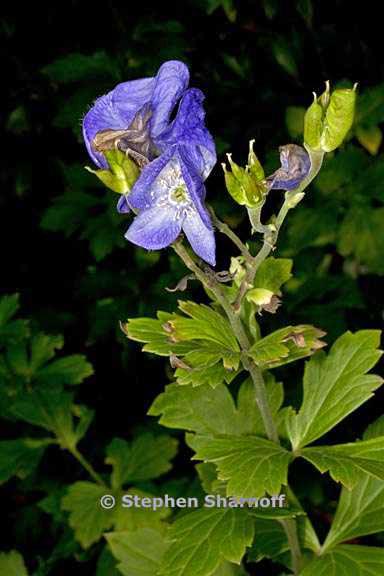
<point>145,458</point>
<point>139,553</point>
<point>347,560</point>
<point>53,409</point>
<point>209,411</point>
<point>360,237</point>
<point>12,564</point>
<point>90,520</point>
<point>273,273</point>
<point>202,540</point>
<point>286,345</point>
<point>335,385</point>
<point>71,369</point>
<point>76,66</point>
<point>349,463</point>
<point>20,457</point>
<point>360,511</point>
<point>250,465</point>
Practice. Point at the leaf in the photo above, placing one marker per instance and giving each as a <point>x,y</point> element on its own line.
<point>294,120</point>
<point>212,376</point>
<point>273,273</point>
<point>335,385</point>
<point>203,323</point>
<point>349,463</point>
<point>11,330</point>
<point>201,540</point>
<point>360,236</point>
<point>20,457</point>
<point>369,109</point>
<point>145,458</point>
<point>360,511</point>
<point>286,345</point>
<point>348,560</point>
<point>53,409</point>
<point>139,553</point>
<point>12,564</point>
<point>250,465</point>
<point>68,370</point>
<point>370,138</point>
<point>87,517</point>
<point>76,66</point>
<point>90,520</point>
<point>209,411</point>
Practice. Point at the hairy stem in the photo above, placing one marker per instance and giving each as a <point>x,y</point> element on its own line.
<point>86,465</point>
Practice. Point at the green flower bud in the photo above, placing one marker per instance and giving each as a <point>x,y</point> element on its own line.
<point>247,186</point>
<point>338,118</point>
<point>122,174</point>
<point>329,119</point>
<point>313,125</point>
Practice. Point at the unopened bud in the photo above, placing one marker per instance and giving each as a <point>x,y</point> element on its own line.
<point>122,174</point>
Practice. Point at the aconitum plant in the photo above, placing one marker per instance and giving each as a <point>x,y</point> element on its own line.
<point>149,143</point>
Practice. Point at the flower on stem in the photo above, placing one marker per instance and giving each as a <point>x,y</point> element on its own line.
<point>175,156</point>
<point>295,166</point>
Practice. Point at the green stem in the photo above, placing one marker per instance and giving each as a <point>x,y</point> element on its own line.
<point>85,464</point>
<point>226,230</point>
<point>256,374</point>
<point>271,232</point>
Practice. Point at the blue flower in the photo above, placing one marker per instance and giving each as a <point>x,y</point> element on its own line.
<point>176,156</point>
<point>295,165</point>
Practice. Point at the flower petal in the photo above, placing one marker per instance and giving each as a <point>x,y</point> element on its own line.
<point>295,165</point>
<point>140,195</point>
<point>201,238</point>
<point>122,205</point>
<point>102,116</point>
<point>170,83</point>
<point>188,129</point>
<point>154,228</point>
<point>194,183</point>
<point>129,97</point>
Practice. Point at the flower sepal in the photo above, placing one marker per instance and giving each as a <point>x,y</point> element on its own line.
<point>247,186</point>
<point>122,174</point>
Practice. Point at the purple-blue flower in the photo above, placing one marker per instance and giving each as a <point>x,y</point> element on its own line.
<point>295,165</point>
<point>176,156</point>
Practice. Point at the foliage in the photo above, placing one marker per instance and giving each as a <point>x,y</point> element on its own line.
<point>74,391</point>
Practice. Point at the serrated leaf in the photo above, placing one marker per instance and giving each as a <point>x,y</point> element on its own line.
<point>145,458</point>
<point>335,385</point>
<point>12,564</point>
<point>360,511</point>
<point>9,305</point>
<point>203,323</point>
<point>212,376</point>
<point>273,273</point>
<point>349,560</point>
<point>53,409</point>
<point>349,463</point>
<point>286,345</point>
<point>360,236</point>
<point>20,457</point>
<point>90,520</point>
<point>87,517</point>
<point>252,466</point>
<point>203,539</point>
<point>69,370</point>
<point>139,553</point>
<point>209,411</point>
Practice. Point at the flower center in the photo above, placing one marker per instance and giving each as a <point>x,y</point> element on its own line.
<point>178,195</point>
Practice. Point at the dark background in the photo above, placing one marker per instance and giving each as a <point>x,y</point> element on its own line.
<point>62,243</point>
